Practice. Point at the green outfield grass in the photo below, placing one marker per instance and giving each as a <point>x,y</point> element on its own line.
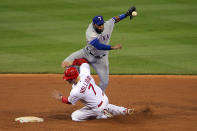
<point>35,36</point>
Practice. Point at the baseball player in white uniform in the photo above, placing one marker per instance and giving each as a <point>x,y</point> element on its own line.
<point>98,36</point>
<point>95,100</point>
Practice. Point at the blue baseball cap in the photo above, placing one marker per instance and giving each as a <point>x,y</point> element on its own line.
<point>98,20</point>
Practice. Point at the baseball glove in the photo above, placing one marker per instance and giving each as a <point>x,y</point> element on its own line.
<point>130,10</point>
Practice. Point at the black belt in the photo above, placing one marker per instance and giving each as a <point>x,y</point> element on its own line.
<point>99,56</point>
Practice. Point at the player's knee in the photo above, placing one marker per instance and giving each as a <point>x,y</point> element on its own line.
<point>74,119</point>
<point>75,116</point>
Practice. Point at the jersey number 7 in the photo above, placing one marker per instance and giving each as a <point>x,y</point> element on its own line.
<point>91,86</point>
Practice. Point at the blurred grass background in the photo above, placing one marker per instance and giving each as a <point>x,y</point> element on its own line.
<point>35,36</point>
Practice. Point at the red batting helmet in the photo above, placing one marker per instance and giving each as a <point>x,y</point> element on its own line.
<point>70,73</point>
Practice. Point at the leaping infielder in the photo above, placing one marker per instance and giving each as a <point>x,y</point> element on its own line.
<point>98,35</point>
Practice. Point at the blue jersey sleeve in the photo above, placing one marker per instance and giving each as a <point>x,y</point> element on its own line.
<point>120,17</point>
<point>100,46</point>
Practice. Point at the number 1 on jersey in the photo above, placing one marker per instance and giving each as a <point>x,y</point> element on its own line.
<point>91,86</point>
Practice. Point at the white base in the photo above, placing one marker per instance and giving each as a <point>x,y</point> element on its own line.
<point>29,119</point>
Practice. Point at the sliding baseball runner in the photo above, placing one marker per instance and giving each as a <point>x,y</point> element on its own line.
<point>95,100</point>
<point>96,51</point>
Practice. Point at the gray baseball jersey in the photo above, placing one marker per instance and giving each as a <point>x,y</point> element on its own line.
<point>98,59</point>
<point>103,38</point>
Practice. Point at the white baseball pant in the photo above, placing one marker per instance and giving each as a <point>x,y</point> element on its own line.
<point>86,113</point>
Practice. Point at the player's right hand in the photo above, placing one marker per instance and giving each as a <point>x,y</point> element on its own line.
<point>66,64</point>
<point>116,47</point>
<point>57,95</point>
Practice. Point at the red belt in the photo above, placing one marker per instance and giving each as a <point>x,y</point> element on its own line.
<point>100,104</point>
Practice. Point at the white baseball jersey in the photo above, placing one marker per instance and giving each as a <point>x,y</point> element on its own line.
<point>86,90</point>
<point>103,38</point>
<point>92,96</point>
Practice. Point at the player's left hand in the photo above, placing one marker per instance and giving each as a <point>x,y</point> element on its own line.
<point>57,95</point>
<point>130,10</point>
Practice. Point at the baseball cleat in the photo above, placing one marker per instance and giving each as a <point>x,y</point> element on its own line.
<point>130,111</point>
<point>106,113</point>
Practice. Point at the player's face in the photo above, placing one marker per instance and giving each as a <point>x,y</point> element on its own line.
<point>99,28</point>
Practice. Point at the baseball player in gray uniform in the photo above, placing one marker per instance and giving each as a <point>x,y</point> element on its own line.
<point>96,51</point>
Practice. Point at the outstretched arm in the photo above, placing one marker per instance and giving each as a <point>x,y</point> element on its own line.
<point>123,16</point>
<point>72,99</point>
<point>119,18</point>
<point>57,95</point>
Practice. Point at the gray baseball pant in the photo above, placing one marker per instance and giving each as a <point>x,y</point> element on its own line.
<point>100,65</point>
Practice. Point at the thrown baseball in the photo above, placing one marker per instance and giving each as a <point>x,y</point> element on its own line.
<point>134,13</point>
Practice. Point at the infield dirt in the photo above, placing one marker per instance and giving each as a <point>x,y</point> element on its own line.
<point>162,103</point>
